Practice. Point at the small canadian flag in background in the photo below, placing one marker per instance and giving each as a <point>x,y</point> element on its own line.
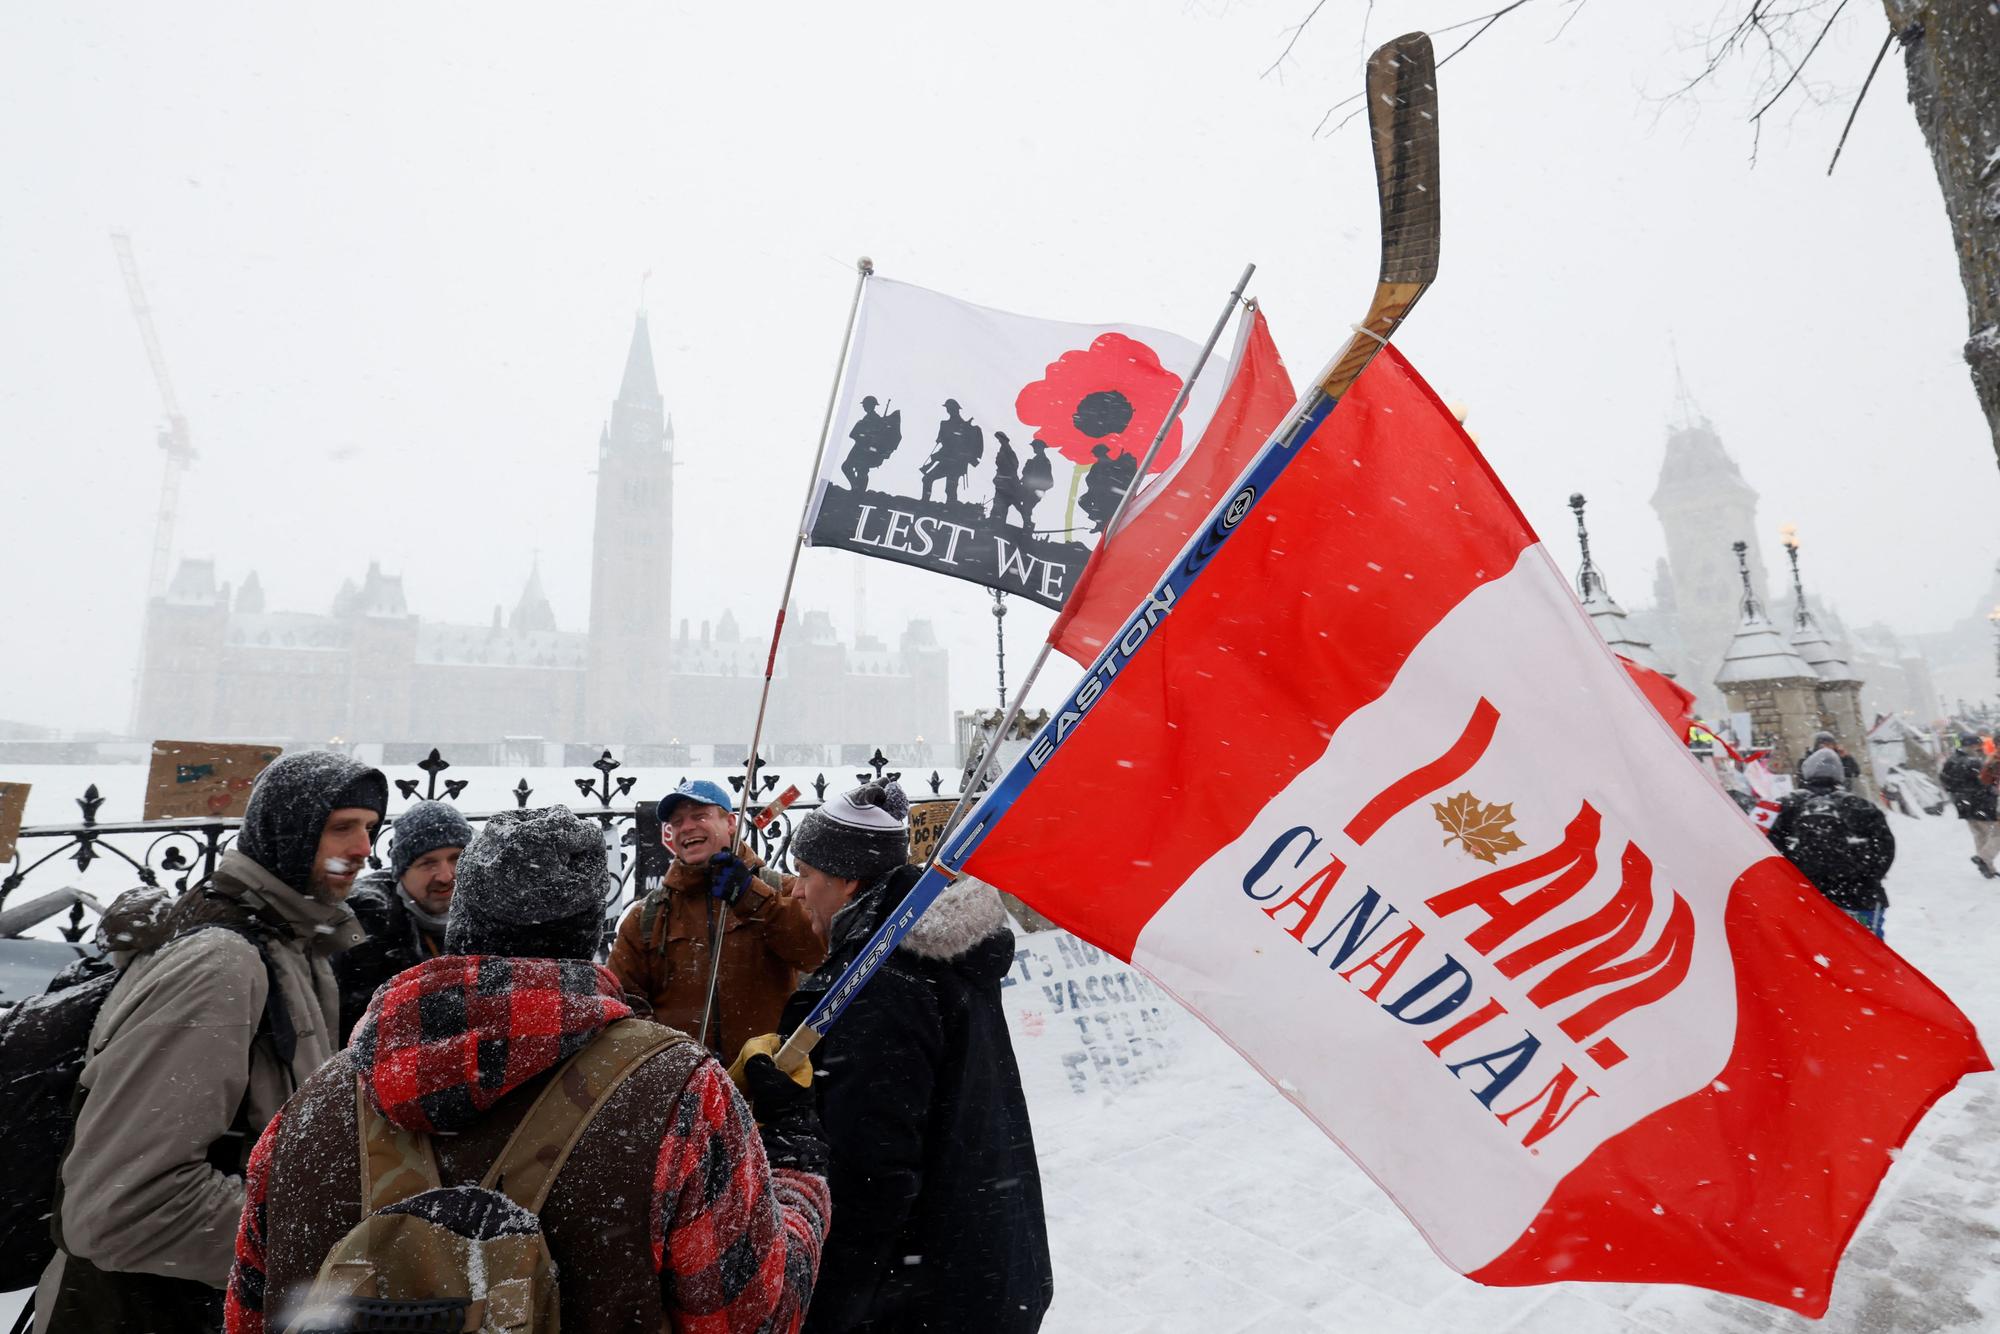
<point>1397,823</point>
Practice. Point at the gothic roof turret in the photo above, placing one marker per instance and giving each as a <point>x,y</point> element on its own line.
<point>250,597</point>
<point>1758,652</point>
<point>640,386</point>
<point>1808,640</point>
<point>532,613</point>
<point>379,595</point>
<point>1695,466</point>
<point>193,582</point>
<point>1605,613</point>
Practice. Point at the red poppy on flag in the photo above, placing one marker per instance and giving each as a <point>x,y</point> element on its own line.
<point>1113,394</point>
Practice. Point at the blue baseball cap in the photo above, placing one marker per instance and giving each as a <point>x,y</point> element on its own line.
<point>699,789</point>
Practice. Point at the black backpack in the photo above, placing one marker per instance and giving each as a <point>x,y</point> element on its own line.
<point>44,1042</point>
<point>1818,841</point>
<point>42,1046</point>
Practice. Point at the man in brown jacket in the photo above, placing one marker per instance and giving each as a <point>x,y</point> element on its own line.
<point>198,1047</point>
<point>662,951</point>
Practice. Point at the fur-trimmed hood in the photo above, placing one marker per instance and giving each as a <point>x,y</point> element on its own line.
<point>956,929</point>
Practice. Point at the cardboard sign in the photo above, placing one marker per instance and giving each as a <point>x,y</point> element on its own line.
<point>13,803</point>
<point>203,779</point>
<point>926,827</point>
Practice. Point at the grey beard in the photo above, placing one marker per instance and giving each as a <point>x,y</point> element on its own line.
<point>431,923</point>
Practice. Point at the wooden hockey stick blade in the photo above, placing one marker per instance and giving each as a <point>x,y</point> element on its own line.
<point>1403,120</point>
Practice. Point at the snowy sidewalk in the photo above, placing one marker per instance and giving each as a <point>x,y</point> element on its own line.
<point>1200,1200</point>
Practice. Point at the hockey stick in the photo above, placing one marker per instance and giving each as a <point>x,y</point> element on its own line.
<point>1402,112</point>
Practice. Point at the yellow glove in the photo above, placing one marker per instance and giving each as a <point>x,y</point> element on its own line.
<point>765,1044</point>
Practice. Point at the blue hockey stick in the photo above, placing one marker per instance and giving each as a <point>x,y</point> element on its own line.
<point>1402,108</point>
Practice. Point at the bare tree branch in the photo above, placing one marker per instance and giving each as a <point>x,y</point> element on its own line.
<point>1298,31</point>
<point>1824,30</point>
<point>1575,8</point>
<point>1858,99</point>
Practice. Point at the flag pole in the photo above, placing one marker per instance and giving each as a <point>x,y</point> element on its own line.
<point>864,268</point>
<point>1014,706</point>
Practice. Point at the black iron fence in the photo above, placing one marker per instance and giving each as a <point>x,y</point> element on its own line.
<point>183,852</point>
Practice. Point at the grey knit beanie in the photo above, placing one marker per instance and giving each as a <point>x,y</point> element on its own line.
<point>289,805</point>
<point>425,827</point>
<point>858,835</point>
<point>1823,766</point>
<point>532,885</point>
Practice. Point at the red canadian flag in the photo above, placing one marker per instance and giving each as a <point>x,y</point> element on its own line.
<point>1394,821</point>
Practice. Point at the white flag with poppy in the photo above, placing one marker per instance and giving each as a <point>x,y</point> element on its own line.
<point>994,447</point>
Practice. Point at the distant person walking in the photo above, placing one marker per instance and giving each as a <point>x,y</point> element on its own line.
<point>1975,799</point>
<point>1840,840</point>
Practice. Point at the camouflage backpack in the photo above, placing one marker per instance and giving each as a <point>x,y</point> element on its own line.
<point>426,1257</point>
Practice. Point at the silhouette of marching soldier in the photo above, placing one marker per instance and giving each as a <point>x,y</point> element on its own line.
<point>1006,478</point>
<point>1105,484</point>
<point>1024,492</point>
<point>875,438</point>
<point>959,446</point>
<point>1036,478</point>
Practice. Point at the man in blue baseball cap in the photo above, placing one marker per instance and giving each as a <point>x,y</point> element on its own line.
<point>663,948</point>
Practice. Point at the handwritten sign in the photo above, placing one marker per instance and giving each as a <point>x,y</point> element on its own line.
<point>1109,1024</point>
<point>203,779</point>
<point>927,827</point>
<point>13,804</point>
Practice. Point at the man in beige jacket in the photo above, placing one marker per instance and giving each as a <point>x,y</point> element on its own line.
<point>198,1046</point>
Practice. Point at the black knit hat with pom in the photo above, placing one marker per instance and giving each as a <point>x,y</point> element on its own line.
<point>858,835</point>
<point>532,885</point>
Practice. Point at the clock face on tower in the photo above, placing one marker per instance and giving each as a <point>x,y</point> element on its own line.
<point>641,424</point>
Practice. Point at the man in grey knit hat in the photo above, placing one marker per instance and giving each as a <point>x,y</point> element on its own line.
<point>934,1178</point>
<point>198,1046</point>
<point>402,907</point>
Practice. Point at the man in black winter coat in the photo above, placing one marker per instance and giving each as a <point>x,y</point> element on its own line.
<point>403,906</point>
<point>1974,801</point>
<point>936,1193</point>
<point>1841,841</point>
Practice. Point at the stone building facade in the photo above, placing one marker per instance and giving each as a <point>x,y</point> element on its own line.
<point>218,664</point>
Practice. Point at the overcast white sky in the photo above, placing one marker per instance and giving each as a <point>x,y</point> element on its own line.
<point>395,252</point>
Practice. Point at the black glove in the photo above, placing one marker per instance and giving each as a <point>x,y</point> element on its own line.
<point>786,1119</point>
<point>728,877</point>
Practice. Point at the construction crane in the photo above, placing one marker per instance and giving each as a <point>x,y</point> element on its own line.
<point>173,437</point>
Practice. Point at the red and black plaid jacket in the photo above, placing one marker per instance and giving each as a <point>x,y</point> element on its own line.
<point>735,1243</point>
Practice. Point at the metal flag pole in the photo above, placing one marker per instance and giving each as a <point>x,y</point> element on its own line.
<point>978,780</point>
<point>864,268</point>
<point>1402,112</point>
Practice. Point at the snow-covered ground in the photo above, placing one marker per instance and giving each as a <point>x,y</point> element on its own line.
<point>1185,1194</point>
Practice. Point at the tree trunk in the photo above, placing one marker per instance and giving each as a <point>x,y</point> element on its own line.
<point>1951,49</point>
